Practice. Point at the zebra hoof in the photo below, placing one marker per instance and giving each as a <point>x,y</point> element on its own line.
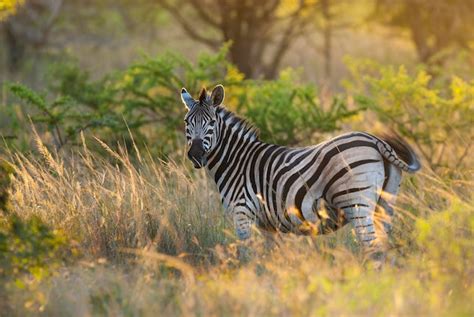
<point>377,260</point>
<point>243,235</point>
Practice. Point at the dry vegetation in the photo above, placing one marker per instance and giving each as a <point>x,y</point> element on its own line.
<point>153,239</point>
<point>104,230</point>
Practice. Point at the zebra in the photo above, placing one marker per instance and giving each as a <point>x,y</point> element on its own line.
<point>304,190</point>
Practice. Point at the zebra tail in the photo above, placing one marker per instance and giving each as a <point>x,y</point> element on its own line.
<point>398,152</point>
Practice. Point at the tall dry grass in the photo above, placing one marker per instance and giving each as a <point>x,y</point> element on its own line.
<point>109,203</point>
<point>155,241</point>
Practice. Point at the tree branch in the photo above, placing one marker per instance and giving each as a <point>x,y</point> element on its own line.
<point>204,15</point>
<point>175,12</point>
<point>295,28</point>
<point>268,12</point>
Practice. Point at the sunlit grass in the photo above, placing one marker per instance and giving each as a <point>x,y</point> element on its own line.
<point>154,238</point>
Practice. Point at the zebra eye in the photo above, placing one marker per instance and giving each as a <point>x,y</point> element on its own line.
<point>212,122</point>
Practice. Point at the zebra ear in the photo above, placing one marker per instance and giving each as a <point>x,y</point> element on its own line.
<point>187,99</point>
<point>203,95</point>
<point>217,95</point>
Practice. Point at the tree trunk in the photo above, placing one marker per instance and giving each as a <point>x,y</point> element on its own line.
<point>15,48</point>
<point>327,32</point>
<point>241,57</point>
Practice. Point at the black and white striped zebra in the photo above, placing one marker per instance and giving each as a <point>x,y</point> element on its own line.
<point>305,190</point>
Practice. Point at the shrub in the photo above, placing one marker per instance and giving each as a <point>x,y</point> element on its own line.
<point>28,246</point>
<point>29,249</point>
<point>437,121</point>
<point>144,100</point>
<point>288,112</point>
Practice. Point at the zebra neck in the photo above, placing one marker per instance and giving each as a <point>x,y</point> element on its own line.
<point>227,162</point>
<point>231,149</point>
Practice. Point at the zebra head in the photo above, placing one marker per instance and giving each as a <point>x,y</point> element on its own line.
<point>201,124</point>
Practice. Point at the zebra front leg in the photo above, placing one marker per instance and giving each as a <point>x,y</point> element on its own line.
<point>242,223</point>
<point>243,226</point>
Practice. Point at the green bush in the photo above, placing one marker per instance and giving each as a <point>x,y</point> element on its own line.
<point>437,121</point>
<point>290,113</point>
<point>144,99</point>
<point>29,249</point>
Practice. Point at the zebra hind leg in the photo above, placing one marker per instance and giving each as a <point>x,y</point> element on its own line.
<point>359,209</point>
<point>360,215</point>
<point>362,218</point>
<point>385,212</point>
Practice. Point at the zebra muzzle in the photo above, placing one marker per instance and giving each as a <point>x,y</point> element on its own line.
<point>197,154</point>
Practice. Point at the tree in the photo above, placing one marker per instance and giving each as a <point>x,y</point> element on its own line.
<point>434,25</point>
<point>30,26</point>
<point>261,32</point>
<point>327,31</point>
<point>40,24</point>
<point>332,17</point>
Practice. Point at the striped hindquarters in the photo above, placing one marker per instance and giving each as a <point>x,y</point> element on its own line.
<point>290,183</point>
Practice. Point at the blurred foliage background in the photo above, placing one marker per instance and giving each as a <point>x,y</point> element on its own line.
<point>92,140</point>
<point>297,69</point>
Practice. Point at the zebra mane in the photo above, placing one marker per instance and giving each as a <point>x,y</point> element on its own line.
<point>243,124</point>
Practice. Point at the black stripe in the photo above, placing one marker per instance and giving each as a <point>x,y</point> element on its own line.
<point>243,204</point>
<point>234,151</point>
<point>250,199</point>
<point>354,205</point>
<point>386,171</point>
<point>365,226</point>
<point>286,186</point>
<point>348,191</point>
<point>216,153</point>
<point>252,172</point>
<point>270,169</point>
<point>261,169</point>
<point>222,167</point>
<point>241,212</point>
<point>252,169</point>
<point>290,154</point>
<point>241,168</point>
